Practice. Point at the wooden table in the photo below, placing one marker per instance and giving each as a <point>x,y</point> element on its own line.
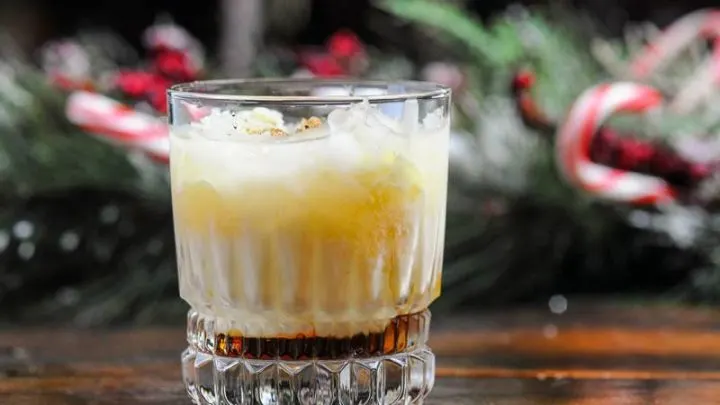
<point>591,354</point>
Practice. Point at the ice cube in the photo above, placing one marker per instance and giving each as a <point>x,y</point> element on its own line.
<point>382,133</point>
<point>380,123</point>
<point>434,120</point>
<point>341,120</point>
<point>410,117</point>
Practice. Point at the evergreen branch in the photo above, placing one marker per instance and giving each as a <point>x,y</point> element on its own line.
<point>496,47</point>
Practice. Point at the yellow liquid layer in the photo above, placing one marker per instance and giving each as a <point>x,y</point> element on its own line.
<point>327,252</point>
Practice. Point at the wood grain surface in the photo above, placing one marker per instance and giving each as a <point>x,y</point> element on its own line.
<point>592,354</point>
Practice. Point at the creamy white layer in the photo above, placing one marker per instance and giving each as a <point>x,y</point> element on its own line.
<point>268,259</point>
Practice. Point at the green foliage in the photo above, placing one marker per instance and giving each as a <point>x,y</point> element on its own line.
<point>40,151</point>
<point>554,48</point>
<point>516,229</point>
<point>93,217</point>
<point>495,46</point>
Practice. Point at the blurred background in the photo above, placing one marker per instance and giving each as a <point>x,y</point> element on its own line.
<point>85,222</point>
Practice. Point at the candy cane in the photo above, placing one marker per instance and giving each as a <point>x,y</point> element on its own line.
<point>575,137</point>
<point>672,41</point>
<point>700,24</point>
<point>117,123</point>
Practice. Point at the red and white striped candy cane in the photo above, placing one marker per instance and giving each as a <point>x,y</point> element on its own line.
<point>673,40</point>
<point>702,24</point>
<point>118,123</point>
<point>575,137</point>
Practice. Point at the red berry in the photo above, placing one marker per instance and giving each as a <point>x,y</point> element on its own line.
<point>324,66</point>
<point>345,44</point>
<point>175,65</point>
<point>523,80</point>
<point>134,84</point>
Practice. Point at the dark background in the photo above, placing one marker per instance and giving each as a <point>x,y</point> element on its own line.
<point>33,22</point>
<point>91,286</point>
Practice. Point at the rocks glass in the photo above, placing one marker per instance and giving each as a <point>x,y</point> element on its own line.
<point>309,223</point>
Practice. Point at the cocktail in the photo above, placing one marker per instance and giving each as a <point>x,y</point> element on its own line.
<point>309,223</point>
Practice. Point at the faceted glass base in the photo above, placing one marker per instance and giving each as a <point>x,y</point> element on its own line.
<point>401,378</point>
<point>390,366</point>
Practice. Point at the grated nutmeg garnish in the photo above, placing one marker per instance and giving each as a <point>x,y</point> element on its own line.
<point>255,131</point>
<point>309,123</point>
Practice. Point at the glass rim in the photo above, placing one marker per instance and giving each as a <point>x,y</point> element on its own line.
<point>420,90</point>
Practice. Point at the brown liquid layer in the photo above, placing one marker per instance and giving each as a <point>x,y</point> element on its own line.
<point>403,333</point>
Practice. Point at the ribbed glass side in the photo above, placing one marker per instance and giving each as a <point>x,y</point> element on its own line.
<point>300,237</point>
<point>316,271</point>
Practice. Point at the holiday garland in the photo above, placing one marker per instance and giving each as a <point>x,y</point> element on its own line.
<point>571,165</point>
<point>86,224</point>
